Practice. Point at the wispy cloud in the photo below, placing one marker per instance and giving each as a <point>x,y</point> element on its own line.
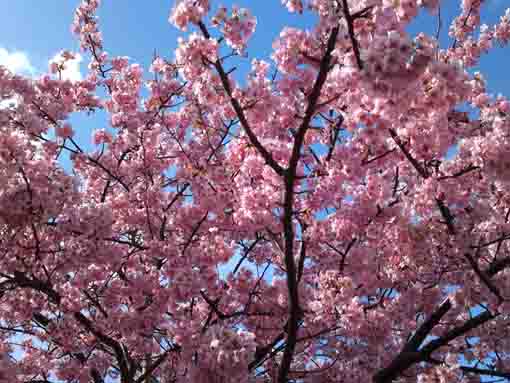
<point>71,67</point>
<point>16,61</point>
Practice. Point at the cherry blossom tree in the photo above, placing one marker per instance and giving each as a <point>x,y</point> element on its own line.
<point>357,249</point>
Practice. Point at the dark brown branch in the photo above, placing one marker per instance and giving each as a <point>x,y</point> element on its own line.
<point>334,137</point>
<point>23,281</point>
<point>96,376</point>
<point>408,155</point>
<point>261,352</point>
<point>439,22</point>
<point>363,13</point>
<point>350,29</point>
<point>315,156</point>
<point>301,263</point>
<point>45,287</point>
<point>497,265</point>
<point>109,181</point>
<point>469,325</point>
<point>175,198</point>
<point>96,303</point>
<point>413,352</point>
<point>194,232</point>
<point>460,173</point>
<point>106,340</point>
<point>246,253</point>
<point>288,228</point>
<point>483,277</point>
<point>410,354</point>
<point>240,112</point>
<point>486,372</point>
<point>396,182</point>
<point>54,122</point>
<point>447,216</point>
<point>153,367</point>
<point>343,254</point>
<point>419,336</point>
<point>499,240</point>
<point>373,159</point>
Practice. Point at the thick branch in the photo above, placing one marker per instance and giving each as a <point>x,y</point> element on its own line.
<point>408,155</point>
<point>469,325</point>
<point>410,354</point>
<point>486,372</point>
<point>413,352</point>
<point>23,281</point>
<point>497,266</point>
<point>350,29</point>
<point>483,277</point>
<point>239,111</point>
<point>290,178</point>
<point>150,369</point>
<point>447,216</point>
<point>117,349</point>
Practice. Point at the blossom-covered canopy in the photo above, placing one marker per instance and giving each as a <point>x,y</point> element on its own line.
<point>310,224</point>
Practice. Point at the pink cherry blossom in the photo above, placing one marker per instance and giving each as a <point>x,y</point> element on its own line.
<point>307,223</point>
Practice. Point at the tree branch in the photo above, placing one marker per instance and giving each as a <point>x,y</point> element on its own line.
<point>290,178</point>
<point>484,371</point>
<point>239,111</point>
<point>350,29</point>
<point>412,351</point>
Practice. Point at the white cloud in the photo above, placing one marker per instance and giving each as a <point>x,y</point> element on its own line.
<point>8,102</point>
<point>19,63</point>
<point>16,61</point>
<point>71,67</point>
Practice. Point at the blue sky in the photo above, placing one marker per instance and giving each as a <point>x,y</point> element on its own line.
<point>42,28</point>
<point>32,32</point>
<point>39,29</point>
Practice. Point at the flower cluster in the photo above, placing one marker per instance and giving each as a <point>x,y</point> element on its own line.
<point>341,214</point>
<point>195,55</point>
<point>188,12</point>
<point>85,25</point>
<point>237,28</point>
<point>393,63</point>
